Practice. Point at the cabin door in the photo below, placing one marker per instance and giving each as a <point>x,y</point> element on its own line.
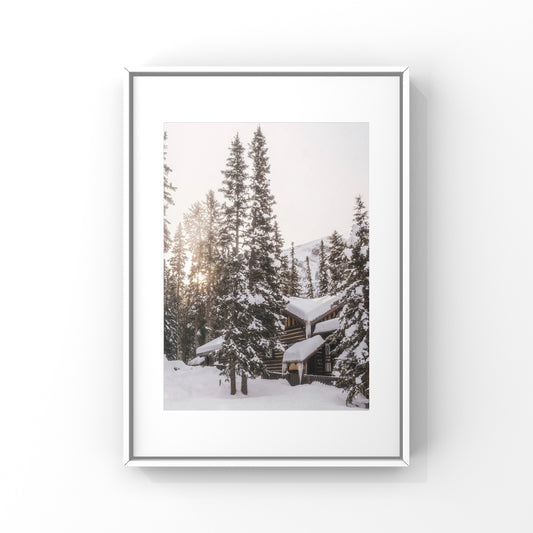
<point>294,376</point>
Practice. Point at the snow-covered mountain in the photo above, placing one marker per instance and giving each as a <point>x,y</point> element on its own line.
<point>301,251</point>
<point>312,249</point>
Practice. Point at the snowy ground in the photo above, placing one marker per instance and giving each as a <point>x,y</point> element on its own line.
<point>188,387</point>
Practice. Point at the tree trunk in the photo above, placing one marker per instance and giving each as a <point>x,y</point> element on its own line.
<point>244,383</point>
<point>232,380</point>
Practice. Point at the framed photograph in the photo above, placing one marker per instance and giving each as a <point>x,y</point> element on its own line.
<point>266,270</point>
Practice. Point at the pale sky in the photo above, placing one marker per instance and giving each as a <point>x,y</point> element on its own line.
<point>316,171</point>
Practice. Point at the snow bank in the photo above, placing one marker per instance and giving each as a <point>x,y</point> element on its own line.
<point>327,326</point>
<point>300,351</point>
<point>210,346</point>
<point>203,388</point>
<point>360,401</point>
<point>309,309</point>
<point>198,360</point>
<point>175,366</point>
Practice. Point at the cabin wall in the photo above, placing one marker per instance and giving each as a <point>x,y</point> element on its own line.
<point>316,365</point>
<point>293,333</point>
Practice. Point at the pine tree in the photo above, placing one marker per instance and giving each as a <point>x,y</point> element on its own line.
<point>309,292</point>
<point>188,324</point>
<point>170,329</point>
<point>167,197</point>
<point>282,259</point>
<point>323,277</point>
<point>285,275</point>
<point>236,196</point>
<point>178,259</point>
<point>195,226</point>
<point>337,263</point>
<point>212,261</point>
<point>233,302</point>
<point>294,279</point>
<point>353,333</point>
<point>177,262</point>
<point>263,268</point>
<point>170,326</point>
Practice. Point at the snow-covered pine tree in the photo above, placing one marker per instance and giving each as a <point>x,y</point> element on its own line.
<point>283,260</point>
<point>211,261</point>
<point>323,277</point>
<point>178,259</point>
<point>170,326</point>
<point>177,262</point>
<point>294,279</point>
<point>309,292</point>
<point>168,289</point>
<point>263,276</point>
<point>187,326</point>
<point>285,275</point>
<point>337,263</point>
<point>353,334</point>
<point>240,327</point>
<point>233,301</point>
<point>167,197</point>
<point>194,221</point>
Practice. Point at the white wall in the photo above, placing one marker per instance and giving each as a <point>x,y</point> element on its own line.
<point>60,287</point>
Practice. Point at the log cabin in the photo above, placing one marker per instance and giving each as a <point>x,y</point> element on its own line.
<point>306,339</point>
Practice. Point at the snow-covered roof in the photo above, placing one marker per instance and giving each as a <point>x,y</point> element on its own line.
<point>309,309</point>
<point>210,346</point>
<point>300,351</point>
<point>327,326</point>
<point>198,360</point>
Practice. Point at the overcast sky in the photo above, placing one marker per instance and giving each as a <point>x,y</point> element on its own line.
<point>316,170</point>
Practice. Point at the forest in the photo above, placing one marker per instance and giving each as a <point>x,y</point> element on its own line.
<point>227,271</point>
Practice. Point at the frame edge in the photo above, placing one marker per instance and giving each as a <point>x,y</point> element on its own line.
<point>145,70</point>
<point>405,268</point>
<point>126,239</point>
<point>128,457</point>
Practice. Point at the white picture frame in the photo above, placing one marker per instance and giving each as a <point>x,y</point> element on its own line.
<point>136,454</point>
